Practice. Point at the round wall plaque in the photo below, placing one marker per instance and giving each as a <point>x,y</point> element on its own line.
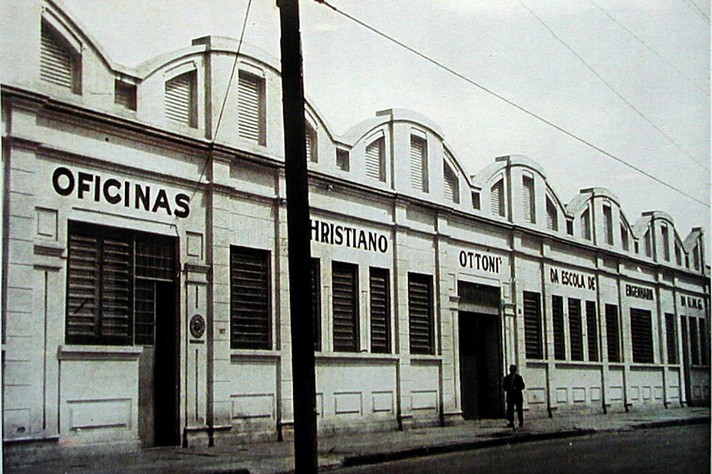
<point>197,326</point>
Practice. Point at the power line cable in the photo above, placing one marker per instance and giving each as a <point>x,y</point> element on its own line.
<point>508,101</point>
<point>610,86</point>
<point>227,93</point>
<point>698,10</point>
<point>649,48</point>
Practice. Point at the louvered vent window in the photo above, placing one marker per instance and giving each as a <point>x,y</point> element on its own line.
<point>678,254</point>
<point>528,199</point>
<point>181,99</point>
<point>647,243</point>
<point>451,188</point>
<point>420,314</point>
<point>613,333</point>
<point>316,301</point>
<point>641,332</point>
<point>111,284</point>
<point>671,338</point>
<point>375,159</point>
<point>696,257</point>
<point>125,94</point>
<point>532,325</point>
<point>586,225</point>
<point>311,144</point>
<point>58,64</point>
<point>557,308</point>
<point>418,163</point>
<point>608,224</point>
<point>666,242</point>
<point>552,219</point>
<point>575,329</point>
<point>380,311</point>
<point>497,198</point>
<point>345,306</point>
<point>592,330</point>
<point>249,299</point>
<point>624,237</point>
<point>251,108</point>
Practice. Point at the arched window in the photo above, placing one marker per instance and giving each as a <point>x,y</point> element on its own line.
<point>180,99</point>
<point>497,198</point>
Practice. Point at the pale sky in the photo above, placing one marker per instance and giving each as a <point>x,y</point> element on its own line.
<point>655,55</point>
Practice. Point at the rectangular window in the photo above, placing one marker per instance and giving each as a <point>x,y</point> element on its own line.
<point>475,200</point>
<point>592,328</point>
<point>419,163</point>
<point>125,94</point>
<point>575,329</point>
<point>180,99</point>
<point>569,226</point>
<point>376,159</point>
<point>557,309</point>
<point>624,238</point>
<point>532,325</point>
<point>420,314</point>
<point>703,342</point>
<point>685,339</point>
<point>110,292</point>
<point>316,301</point>
<point>613,333</point>
<point>648,245</point>
<point>380,310</point>
<point>251,107</point>
<point>342,159</point>
<point>666,242</point>
<point>528,199</point>
<point>345,306</point>
<point>696,257</point>
<point>678,254</point>
<point>552,219</point>
<point>671,338</point>
<point>249,299</point>
<point>451,188</point>
<point>608,224</point>
<point>312,148</point>
<point>641,332</point>
<point>586,225</point>
<point>497,198</point>
<point>694,342</point>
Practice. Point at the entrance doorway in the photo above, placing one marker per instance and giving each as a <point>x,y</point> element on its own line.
<point>480,353</point>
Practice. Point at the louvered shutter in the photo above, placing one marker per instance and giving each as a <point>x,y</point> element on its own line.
<point>375,167</point>
<point>497,198</point>
<point>608,224</point>
<point>56,64</point>
<point>345,310</point>
<point>83,280</point>
<point>552,222</point>
<point>557,308</point>
<point>532,325</point>
<point>311,146</point>
<point>249,106</point>
<point>249,299</point>
<point>641,335</point>
<point>586,225</point>
<point>418,166</point>
<point>575,329</point>
<point>592,330</point>
<point>451,190</point>
<point>380,311</point>
<point>420,315</point>
<point>316,301</point>
<point>613,333</point>
<point>671,338</point>
<point>528,198</point>
<point>180,99</point>
<point>116,289</point>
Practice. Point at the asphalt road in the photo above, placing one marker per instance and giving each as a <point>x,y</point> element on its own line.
<point>684,449</point>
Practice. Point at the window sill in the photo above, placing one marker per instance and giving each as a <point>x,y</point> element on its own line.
<point>253,354</point>
<point>356,356</point>
<point>128,353</point>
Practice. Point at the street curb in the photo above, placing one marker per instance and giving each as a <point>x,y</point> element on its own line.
<point>377,458</point>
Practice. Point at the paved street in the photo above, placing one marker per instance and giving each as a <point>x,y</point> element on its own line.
<point>674,449</point>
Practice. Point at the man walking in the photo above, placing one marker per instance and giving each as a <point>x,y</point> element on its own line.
<point>513,385</point>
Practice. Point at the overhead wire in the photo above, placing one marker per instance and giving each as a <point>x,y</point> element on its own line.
<point>610,86</point>
<point>698,10</point>
<point>227,93</point>
<point>649,48</point>
<point>508,101</point>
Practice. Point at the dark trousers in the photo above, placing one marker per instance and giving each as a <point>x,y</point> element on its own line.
<point>514,399</point>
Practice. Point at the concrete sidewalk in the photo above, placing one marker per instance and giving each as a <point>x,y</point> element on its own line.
<point>275,457</point>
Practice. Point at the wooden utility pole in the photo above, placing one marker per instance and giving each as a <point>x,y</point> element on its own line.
<point>298,234</point>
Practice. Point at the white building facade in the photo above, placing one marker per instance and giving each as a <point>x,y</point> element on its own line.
<point>145,285</point>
